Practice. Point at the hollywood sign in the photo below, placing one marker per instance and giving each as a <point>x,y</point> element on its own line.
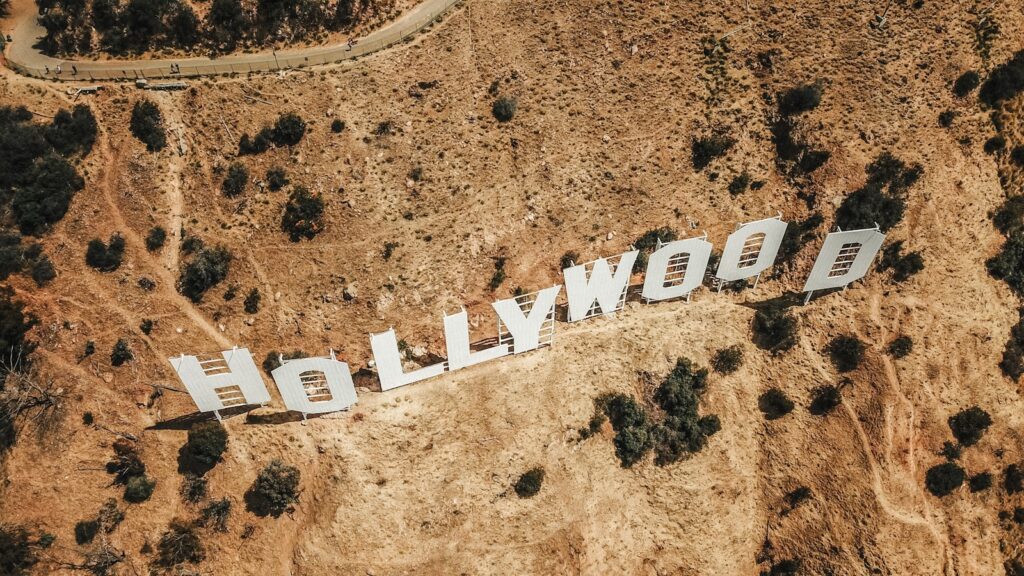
<point>319,385</point>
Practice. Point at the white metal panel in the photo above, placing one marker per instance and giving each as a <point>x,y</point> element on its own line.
<point>676,269</point>
<point>751,249</point>
<point>315,385</point>
<point>388,360</point>
<point>221,382</point>
<point>528,320</point>
<point>844,258</point>
<point>456,338</point>
<point>603,292</point>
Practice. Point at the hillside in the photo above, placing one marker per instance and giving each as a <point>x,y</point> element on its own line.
<point>425,192</point>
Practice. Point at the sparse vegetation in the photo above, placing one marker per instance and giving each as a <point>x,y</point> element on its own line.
<point>774,404</point>
<point>180,544</point>
<point>277,179</point>
<point>85,531</point>
<point>705,149</point>
<point>209,268</point>
<point>882,199</point>
<point>846,352</point>
<point>504,109</point>
<point>215,515</point>
<point>498,278</point>
<point>193,488</point>
<point>1008,264</point>
<point>775,329</point>
<point>728,360</point>
<point>236,181</point>
<point>901,347</point>
<point>105,257</point>
<point>943,479</point>
<point>16,554</point>
<point>969,425</point>
<point>156,238</point>
<point>275,489</point>
<point>252,301</point>
<point>824,399</point>
<point>568,260</point>
<point>648,243</point>
<point>966,83</point>
<point>303,215</point>
<point>528,485</point>
<point>121,354</point>
<point>147,125</point>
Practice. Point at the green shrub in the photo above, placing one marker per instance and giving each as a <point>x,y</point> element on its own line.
<point>85,531</point>
<point>105,257</point>
<point>207,442</point>
<point>16,555</point>
<point>252,301</point>
<point>337,126</point>
<point>1017,156</point>
<point>969,425</point>
<point>903,265</point>
<point>568,259</point>
<point>215,515</point>
<point>147,125</point>
<point>682,431</point>
<point>14,327</point>
<point>43,272</point>
<point>705,149</point>
<point>275,489</point>
<point>797,497</point>
<point>193,488</point>
<point>209,268</point>
<point>799,99</point>
<point>121,353</point>
<point>994,144</point>
<point>72,132</point>
<point>110,516</point>
<point>980,482</point>
<point>303,215</point>
<point>236,180</point>
<point>1008,265</point>
<point>774,329</point>
<point>272,361</point>
<point>504,109</point>
<point>728,360</point>
<point>288,130</point>
<point>45,194</point>
<point>825,399</point>
<point>739,183</point>
<point>146,326</point>
<point>179,544</point>
<point>901,347</point>
<point>529,483</point>
<point>966,83</point>
<point>277,178</point>
<point>498,278</point>
<point>139,489</point>
<point>1004,82</point>
<point>648,243</point>
<point>942,479</point>
<point>774,404</point>
<point>846,352</point>
<point>1013,479</point>
<point>1012,363</point>
<point>156,238</point>
<point>946,118</point>
<point>797,235</point>
<point>882,200</point>
<point>126,463</point>
<point>788,567</point>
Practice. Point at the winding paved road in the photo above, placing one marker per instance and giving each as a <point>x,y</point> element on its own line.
<point>24,58</point>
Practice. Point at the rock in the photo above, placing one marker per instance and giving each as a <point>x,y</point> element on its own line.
<point>107,377</point>
<point>611,235</point>
<point>349,293</point>
<point>277,296</point>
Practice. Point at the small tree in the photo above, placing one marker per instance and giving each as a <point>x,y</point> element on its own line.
<point>969,425</point>
<point>105,257</point>
<point>775,330</point>
<point>277,178</point>
<point>139,489</point>
<point>728,360</point>
<point>16,555</point>
<point>504,109</point>
<point>275,489</point>
<point>85,531</point>
<point>252,301</point>
<point>180,544</point>
<point>774,404</point>
<point>705,149</point>
<point>156,238</point>
<point>303,215</point>
<point>207,442</point>
<point>121,353</point>
<point>902,346</point>
<point>236,180</point>
<point>215,515</point>
<point>942,479</point>
<point>846,352</point>
<point>289,130</point>
<point>209,268</point>
<point>530,482</point>
<point>147,125</point>
<point>825,399</point>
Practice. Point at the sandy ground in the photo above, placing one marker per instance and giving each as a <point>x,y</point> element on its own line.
<point>416,481</point>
